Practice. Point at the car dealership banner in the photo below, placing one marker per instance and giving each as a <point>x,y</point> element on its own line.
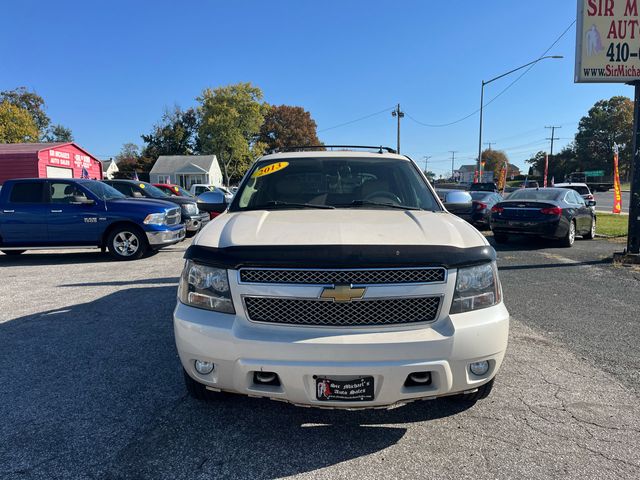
<point>607,41</point>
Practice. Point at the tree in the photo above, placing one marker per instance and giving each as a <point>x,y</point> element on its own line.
<point>608,122</point>
<point>58,133</point>
<point>230,120</point>
<point>176,134</point>
<point>430,175</point>
<point>16,124</point>
<point>31,102</point>
<point>494,161</point>
<point>128,161</point>
<point>34,104</point>
<point>560,165</point>
<point>286,126</point>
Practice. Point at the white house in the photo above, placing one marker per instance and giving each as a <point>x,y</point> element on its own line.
<point>185,170</point>
<point>109,167</point>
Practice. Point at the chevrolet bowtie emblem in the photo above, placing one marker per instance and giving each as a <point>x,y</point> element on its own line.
<point>342,293</point>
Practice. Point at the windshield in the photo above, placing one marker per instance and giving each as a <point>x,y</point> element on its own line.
<point>531,194</point>
<point>334,183</point>
<point>182,191</point>
<point>102,190</point>
<point>480,195</point>
<point>153,191</point>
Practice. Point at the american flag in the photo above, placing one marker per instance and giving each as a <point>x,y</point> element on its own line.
<point>135,176</point>
<point>85,173</point>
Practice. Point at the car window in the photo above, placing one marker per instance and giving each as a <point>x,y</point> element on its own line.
<point>64,192</point>
<point>534,194</point>
<point>27,192</point>
<point>334,182</point>
<point>149,190</point>
<point>123,188</point>
<point>481,195</point>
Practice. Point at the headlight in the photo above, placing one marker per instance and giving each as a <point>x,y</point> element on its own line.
<point>190,208</point>
<point>155,218</point>
<point>476,287</point>
<point>205,287</point>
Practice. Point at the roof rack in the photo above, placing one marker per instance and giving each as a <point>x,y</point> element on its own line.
<point>295,148</point>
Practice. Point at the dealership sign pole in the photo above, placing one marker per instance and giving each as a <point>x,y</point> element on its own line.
<point>608,51</point>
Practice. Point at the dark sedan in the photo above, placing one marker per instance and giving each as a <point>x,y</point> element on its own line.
<point>193,218</point>
<point>556,213</point>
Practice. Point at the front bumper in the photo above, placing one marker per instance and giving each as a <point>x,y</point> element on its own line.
<point>196,222</point>
<point>238,348</point>
<point>553,228</point>
<point>161,238</point>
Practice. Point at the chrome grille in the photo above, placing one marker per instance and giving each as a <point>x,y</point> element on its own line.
<point>333,277</point>
<point>357,313</point>
<point>173,216</point>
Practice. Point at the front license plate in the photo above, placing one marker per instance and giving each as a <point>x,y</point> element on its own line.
<point>357,390</point>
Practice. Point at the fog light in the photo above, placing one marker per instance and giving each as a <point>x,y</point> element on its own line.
<point>479,368</point>
<point>203,368</point>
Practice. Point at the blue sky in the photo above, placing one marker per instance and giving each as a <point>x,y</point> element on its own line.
<point>107,70</point>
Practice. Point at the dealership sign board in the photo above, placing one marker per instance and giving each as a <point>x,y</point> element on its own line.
<point>607,41</point>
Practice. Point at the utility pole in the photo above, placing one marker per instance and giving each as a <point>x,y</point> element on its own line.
<point>453,157</point>
<point>553,137</point>
<point>398,114</point>
<point>490,143</point>
<point>426,163</point>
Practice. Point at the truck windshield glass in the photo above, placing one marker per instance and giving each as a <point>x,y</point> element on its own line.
<point>334,182</point>
<point>102,190</point>
<point>153,191</point>
<point>531,194</point>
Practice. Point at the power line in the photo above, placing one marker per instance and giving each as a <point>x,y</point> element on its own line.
<point>357,119</point>
<point>438,125</point>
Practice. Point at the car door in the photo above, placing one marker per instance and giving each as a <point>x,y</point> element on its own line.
<point>71,222</point>
<point>23,219</point>
<point>585,213</point>
<point>576,203</point>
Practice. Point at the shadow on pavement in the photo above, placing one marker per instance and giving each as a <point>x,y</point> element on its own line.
<point>96,390</point>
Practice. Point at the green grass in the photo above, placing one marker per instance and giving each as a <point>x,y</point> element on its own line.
<point>625,186</point>
<point>612,225</point>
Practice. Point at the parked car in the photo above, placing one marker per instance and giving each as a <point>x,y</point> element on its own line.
<point>171,189</point>
<point>193,218</point>
<point>337,279</point>
<point>52,213</point>
<point>582,189</point>
<point>228,194</point>
<point>482,202</point>
<point>483,187</point>
<point>556,213</point>
<point>198,188</point>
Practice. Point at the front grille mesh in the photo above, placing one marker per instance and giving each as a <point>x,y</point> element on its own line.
<point>348,277</point>
<point>357,313</point>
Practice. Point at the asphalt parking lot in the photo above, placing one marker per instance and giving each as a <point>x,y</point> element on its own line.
<point>91,386</point>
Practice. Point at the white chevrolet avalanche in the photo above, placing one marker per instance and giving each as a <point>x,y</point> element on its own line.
<point>337,279</point>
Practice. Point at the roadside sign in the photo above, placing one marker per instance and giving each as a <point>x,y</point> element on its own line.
<point>607,41</point>
<point>594,173</point>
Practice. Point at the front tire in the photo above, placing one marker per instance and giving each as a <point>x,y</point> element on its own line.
<point>570,237</point>
<point>592,232</point>
<point>127,243</point>
<point>13,253</point>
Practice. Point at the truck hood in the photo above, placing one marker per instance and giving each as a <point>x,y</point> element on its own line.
<point>137,203</point>
<point>339,227</point>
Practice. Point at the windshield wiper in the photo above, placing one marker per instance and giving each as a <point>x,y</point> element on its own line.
<point>278,203</point>
<point>360,203</point>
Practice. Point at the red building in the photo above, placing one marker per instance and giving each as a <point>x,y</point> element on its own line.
<point>46,160</point>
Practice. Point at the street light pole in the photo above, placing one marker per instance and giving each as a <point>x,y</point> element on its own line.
<point>482,102</point>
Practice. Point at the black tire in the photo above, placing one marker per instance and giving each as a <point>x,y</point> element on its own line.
<point>568,240</point>
<point>482,393</point>
<point>13,253</point>
<point>195,389</point>
<point>189,234</point>
<point>592,231</point>
<point>127,243</point>
<point>501,237</point>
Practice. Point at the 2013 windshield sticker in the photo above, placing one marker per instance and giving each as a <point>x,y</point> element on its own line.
<point>269,169</point>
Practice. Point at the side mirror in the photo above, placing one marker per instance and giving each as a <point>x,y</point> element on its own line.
<point>591,203</point>
<point>457,198</point>
<point>212,202</point>
<point>137,194</point>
